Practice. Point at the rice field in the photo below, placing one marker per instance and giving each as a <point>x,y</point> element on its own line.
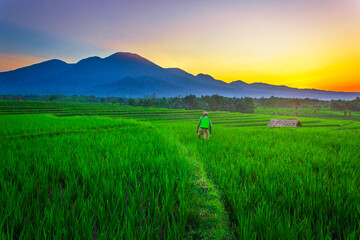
<point>97,171</point>
<point>310,112</point>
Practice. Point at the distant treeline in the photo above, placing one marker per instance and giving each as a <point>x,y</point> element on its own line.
<point>340,105</point>
<point>276,102</point>
<point>213,103</point>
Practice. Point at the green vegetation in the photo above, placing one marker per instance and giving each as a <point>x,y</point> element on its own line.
<point>341,105</point>
<point>310,112</point>
<point>190,102</point>
<point>113,183</point>
<point>276,102</point>
<point>86,171</point>
<point>286,183</point>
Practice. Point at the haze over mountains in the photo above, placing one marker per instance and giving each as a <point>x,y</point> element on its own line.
<point>130,75</point>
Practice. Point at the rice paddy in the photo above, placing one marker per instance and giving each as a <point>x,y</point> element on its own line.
<point>98,171</point>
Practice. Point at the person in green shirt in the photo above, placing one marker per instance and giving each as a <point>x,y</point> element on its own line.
<point>205,126</point>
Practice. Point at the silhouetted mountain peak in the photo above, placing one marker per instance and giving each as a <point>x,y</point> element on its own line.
<point>237,82</point>
<point>261,84</point>
<point>127,56</point>
<point>205,76</point>
<point>54,61</point>
<point>48,63</point>
<point>89,60</point>
<point>124,54</point>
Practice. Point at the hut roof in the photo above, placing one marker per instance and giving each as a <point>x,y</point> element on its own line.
<point>284,123</point>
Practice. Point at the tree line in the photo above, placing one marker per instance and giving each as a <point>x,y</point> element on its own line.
<point>210,103</point>
<point>191,102</point>
<point>276,102</point>
<point>341,105</point>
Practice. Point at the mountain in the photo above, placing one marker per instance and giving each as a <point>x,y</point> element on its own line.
<point>129,75</point>
<point>16,81</point>
<point>137,87</point>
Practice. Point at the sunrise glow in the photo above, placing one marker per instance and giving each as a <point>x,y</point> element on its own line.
<point>303,44</point>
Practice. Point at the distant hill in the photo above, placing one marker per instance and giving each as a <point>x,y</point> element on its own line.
<point>130,75</point>
<point>18,80</point>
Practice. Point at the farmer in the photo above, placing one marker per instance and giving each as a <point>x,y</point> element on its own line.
<point>205,126</point>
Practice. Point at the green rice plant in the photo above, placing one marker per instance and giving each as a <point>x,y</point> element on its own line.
<point>83,177</point>
<point>127,182</point>
<point>285,183</point>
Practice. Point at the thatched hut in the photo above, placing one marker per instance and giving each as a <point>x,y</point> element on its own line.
<point>284,123</point>
<point>20,99</point>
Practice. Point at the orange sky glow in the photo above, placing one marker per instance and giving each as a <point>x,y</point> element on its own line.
<point>303,44</point>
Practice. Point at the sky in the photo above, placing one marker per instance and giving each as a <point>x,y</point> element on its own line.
<point>297,43</point>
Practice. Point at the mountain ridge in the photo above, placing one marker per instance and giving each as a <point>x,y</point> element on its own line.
<point>141,78</point>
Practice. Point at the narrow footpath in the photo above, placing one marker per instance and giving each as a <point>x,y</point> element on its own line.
<point>208,218</point>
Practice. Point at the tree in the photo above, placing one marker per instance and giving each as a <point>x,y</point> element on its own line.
<point>131,102</point>
<point>54,97</point>
<point>190,100</point>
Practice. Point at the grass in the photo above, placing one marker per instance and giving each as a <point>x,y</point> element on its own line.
<point>135,174</point>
